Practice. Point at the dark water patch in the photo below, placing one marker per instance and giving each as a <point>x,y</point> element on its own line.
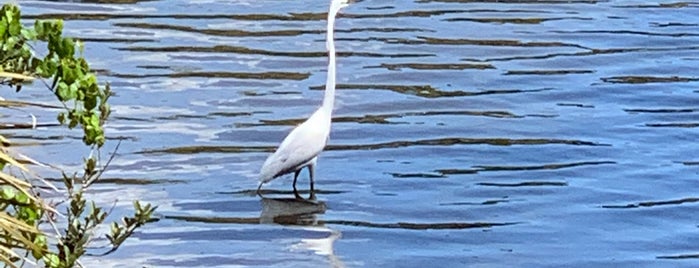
<point>673,125</point>
<point>116,40</point>
<point>486,42</point>
<point>660,5</point>
<point>416,175</point>
<point>515,20</point>
<point>34,138</point>
<point>128,118</point>
<point>67,138</point>
<point>427,91</point>
<point>655,203</point>
<point>679,257</point>
<point>243,33</point>
<point>542,115</point>
<point>436,12</point>
<point>234,220</point>
<point>182,116</point>
<point>16,103</point>
<point>548,72</point>
<point>212,115</point>
<point>538,167</point>
<point>647,79</point>
<point>432,66</point>
<point>129,181</point>
<point>26,125</point>
<point>495,114</point>
<point>589,52</point>
<point>403,14</point>
<point>137,181</point>
<point>625,32</point>
<point>375,146</point>
<point>380,118</point>
<point>424,40</point>
<point>245,50</point>
<point>233,114</point>
<point>366,119</point>
<point>209,149</point>
<point>154,67</point>
<point>524,184</point>
<point>306,16</point>
<point>480,168</point>
<point>661,110</point>
<point>673,24</point>
<point>565,2</point>
<point>420,226</point>
<point>398,225</point>
<point>216,32</point>
<point>237,75</point>
<point>578,105</point>
<point>486,203</point>
<point>380,8</point>
<point>383,30</point>
<point>462,141</point>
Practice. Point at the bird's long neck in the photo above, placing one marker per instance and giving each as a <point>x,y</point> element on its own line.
<point>329,99</point>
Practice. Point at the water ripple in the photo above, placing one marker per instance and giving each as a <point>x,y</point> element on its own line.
<point>656,203</point>
<point>428,91</point>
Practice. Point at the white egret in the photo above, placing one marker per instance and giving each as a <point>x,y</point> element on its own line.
<point>301,147</point>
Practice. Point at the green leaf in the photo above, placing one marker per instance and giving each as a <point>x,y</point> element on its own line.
<point>40,30</point>
<point>14,27</point>
<point>29,34</point>
<point>11,41</point>
<point>90,102</point>
<point>67,48</point>
<point>3,27</point>
<point>73,91</point>
<point>62,118</point>
<point>22,198</point>
<point>52,260</point>
<point>40,241</point>
<point>63,91</point>
<point>8,193</point>
<point>95,120</point>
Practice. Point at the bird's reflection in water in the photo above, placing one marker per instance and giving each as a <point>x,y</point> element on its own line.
<point>302,212</point>
<point>291,211</point>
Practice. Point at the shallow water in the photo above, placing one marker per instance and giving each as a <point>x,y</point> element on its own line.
<point>466,133</point>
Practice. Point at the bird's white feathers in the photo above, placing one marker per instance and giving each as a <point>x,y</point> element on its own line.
<point>301,146</point>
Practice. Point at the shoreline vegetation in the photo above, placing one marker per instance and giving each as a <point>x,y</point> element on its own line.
<point>56,232</point>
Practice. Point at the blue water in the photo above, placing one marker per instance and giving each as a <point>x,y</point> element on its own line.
<point>466,134</point>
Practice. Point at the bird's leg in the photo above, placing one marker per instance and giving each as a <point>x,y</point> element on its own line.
<point>258,190</point>
<point>296,176</point>
<point>312,173</point>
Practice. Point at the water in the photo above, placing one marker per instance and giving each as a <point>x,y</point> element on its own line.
<point>466,133</point>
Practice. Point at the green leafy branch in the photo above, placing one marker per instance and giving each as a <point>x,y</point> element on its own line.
<point>74,84</point>
<point>85,103</point>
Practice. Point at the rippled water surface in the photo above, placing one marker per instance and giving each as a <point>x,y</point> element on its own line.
<point>466,133</point>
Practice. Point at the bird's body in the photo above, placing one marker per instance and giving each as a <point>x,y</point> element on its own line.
<point>300,149</point>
